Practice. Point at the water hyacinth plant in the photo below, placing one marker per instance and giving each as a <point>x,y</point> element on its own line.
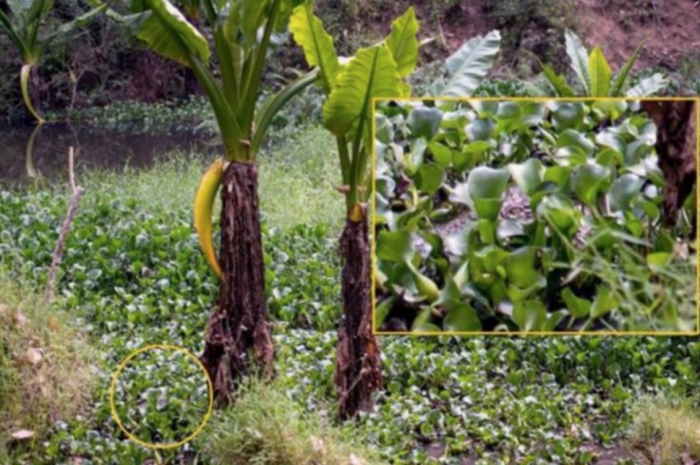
<point>526,216</point>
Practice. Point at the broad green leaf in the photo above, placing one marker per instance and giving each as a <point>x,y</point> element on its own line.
<point>403,42</point>
<point>521,266</point>
<point>573,138</point>
<point>461,317</point>
<point>469,65</point>
<point>612,140</point>
<point>424,122</point>
<point>561,212</point>
<point>395,246</point>
<point>429,178</point>
<point>599,71</point>
<point>553,320</point>
<point>480,129</point>
<point>587,182</point>
<point>370,74</point>
<point>253,15</point>
<point>530,315</point>
<point>658,261</point>
<point>382,310</point>
<point>441,153</point>
<point>578,307</point>
<point>649,86</point>
<point>426,287</point>
<point>558,82</point>
<point>604,302</point>
<point>623,190</point>
<point>527,175</point>
<point>567,115</point>
<point>579,58</point>
<point>309,33</point>
<point>487,187</point>
<point>166,31</point>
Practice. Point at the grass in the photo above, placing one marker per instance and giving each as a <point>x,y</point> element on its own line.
<point>667,429</point>
<point>266,427</point>
<point>46,369</point>
<point>298,182</point>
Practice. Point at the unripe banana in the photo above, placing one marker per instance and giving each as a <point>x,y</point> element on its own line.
<point>203,209</point>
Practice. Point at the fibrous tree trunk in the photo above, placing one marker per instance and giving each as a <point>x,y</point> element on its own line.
<point>675,145</point>
<point>238,334</point>
<point>358,364</point>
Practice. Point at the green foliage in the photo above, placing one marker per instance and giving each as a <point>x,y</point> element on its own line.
<point>540,217</point>
<point>161,396</point>
<point>594,74</point>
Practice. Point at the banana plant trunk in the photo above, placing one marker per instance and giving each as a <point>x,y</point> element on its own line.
<point>238,337</point>
<point>358,364</point>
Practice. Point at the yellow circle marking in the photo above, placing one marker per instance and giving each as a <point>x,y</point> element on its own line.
<point>113,386</point>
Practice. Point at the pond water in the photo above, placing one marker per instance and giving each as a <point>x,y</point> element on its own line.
<point>29,150</point>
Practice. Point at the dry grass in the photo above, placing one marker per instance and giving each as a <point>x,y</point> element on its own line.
<point>667,430</point>
<point>265,427</point>
<point>46,369</point>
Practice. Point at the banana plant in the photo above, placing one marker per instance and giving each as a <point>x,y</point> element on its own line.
<point>595,76</point>
<point>244,33</point>
<point>22,24</point>
<point>351,85</point>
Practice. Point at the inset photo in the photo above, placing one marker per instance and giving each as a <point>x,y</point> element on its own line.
<point>535,216</point>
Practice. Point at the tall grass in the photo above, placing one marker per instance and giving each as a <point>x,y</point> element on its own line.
<point>265,427</point>
<point>298,182</point>
<point>46,366</point>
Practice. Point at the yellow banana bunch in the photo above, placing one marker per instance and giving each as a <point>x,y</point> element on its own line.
<point>203,209</point>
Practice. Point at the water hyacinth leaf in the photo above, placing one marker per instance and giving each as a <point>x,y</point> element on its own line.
<point>384,129</point>
<point>527,175</point>
<point>461,317</point>
<point>469,65</point>
<point>508,230</point>
<point>487,187</point>
<point>567,115</point>
<point>429,178</point>
<point>423,324</point>
<point>426,287</point>
<point>441,153</point>
<point>480,129</point>
<point>382,310</point>
<point>610,109</point>
<point>612,140</point>
<point>529,315</point>
<point>520,266</point>
<point>578,307</point>
<point>572,138</point>
<point>658,261</point>
<point>599,72</point>
<point>588,181</point>
<point>485,108</point>
<point>553,320</point>
<point>424,122</point>
<point>605,301</point>
<point>517,294</point>
<point>559,175</point>
<point>403,42</point>
<point>395,246</point>
<point>624,190</point>
<point>561,212</point>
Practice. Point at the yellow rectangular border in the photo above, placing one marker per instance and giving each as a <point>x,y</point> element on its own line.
<point>373,202</point>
